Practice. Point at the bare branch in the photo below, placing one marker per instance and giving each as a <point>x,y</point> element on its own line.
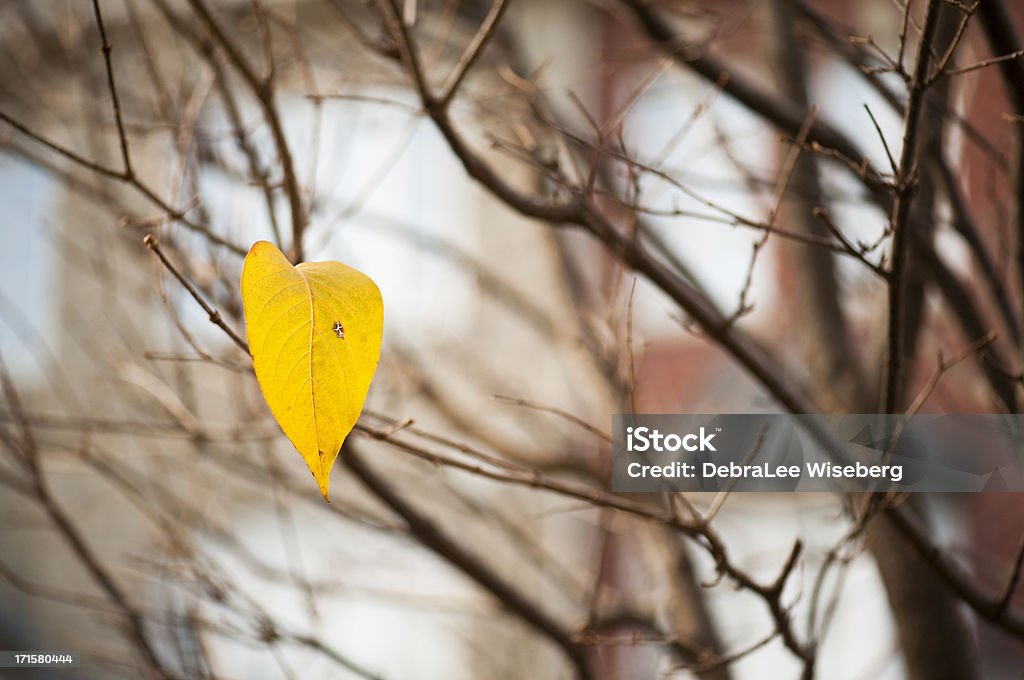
<point>905,178</point>
<point>214,315</point>
<point>472,52</point>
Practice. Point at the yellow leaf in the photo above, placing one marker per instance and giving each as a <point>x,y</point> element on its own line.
<point>314,335</point>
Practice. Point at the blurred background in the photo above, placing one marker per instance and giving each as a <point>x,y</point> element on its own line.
<point>572,209</point>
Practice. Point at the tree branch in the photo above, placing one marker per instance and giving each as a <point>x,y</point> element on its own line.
<point>895,378</point>
<point>433,537</point>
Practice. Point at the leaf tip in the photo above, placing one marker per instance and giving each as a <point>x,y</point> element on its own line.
<point>323,478</point>
<point>323,483</point>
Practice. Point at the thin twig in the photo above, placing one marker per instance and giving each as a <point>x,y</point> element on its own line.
<point>942,366</point>
<point>722,495</point>
<point>263,90</point>
<point>472,52</point>
<point>116,100</point>
<point>947,55</point>
<point>986,63</point>
<point>133,181</point>
<point>885,144</point>
<point>558,412</point>
<point>214,315</point>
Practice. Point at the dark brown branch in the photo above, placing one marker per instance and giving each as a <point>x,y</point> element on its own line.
<point>964,224</point>
<point>841,42</point>
<point>960,580</point>
<point>702,531</point>
<point>840,377</point>
<point>998,27</point>
<point>782,113</point>
<point>895,378</point>
<point>634,254</point>
<point>788,118</point>
<point>260,175</point>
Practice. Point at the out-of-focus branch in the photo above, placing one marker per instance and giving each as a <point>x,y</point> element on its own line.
<point>473,51</point>
<point>76,541</point>
<point>842,44</point>
<point>962,581</point>
<point>433,537</point>
<point>821,136</point>
<point>127,175</point>
<point>263,90</point>
<point>998,27</point>
<point>703,533</point>
<point>783,114</point>
<point>818,292</point>
<point>555,213</point>
<point>634,253</point>
<point>175,214</point>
